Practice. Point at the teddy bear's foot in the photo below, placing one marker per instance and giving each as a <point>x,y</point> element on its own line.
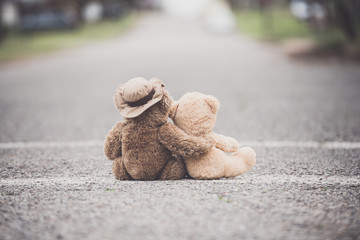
<point>119,169</point>
<point>248,154</point>
<point>240,162</point>
<point>175,169</point>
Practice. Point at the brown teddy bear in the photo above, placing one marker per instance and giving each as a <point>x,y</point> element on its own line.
<point>195,113</point>
<point>145,146</point>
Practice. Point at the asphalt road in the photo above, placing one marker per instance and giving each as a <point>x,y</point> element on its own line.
<point>302,118</point>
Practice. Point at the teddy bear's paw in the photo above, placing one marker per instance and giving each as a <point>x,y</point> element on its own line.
<point>248,154</point>
<point>119,170</point>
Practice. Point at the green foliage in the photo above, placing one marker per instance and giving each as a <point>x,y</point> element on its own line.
<point>319,227</point>
<point>18,45</point>
<point>271,24</point>
<point>224,199</point>
<point>277,24</point>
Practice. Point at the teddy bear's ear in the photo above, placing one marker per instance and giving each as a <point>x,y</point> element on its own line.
<point>173,110</point>
<point>213,103</point>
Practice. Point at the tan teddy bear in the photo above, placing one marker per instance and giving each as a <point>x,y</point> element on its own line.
<point>195,113</point>
<point>144,146</point>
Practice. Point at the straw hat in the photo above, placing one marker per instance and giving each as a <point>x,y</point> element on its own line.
<point>137,95</point>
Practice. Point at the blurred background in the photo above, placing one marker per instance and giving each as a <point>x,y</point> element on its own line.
<point>283,70</point>
<point>316,27</point>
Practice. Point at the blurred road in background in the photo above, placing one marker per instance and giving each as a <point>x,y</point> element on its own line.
<point>58,184</point>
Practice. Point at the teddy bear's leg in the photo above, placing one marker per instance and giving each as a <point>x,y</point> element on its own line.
<point>119,169</point>
<point>175,169</point>
<point>239,162</point>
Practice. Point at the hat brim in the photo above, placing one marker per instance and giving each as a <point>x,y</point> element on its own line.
<point>131,112</point>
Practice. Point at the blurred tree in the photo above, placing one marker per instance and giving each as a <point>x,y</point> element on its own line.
<point>346,16</point>
<point>2,27</point>
<point>80,5</point>
<point>8,16</point>
<point>323,14</point>
<point>267,15</point>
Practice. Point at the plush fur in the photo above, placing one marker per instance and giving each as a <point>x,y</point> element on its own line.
<point>147,147</point>
<point>195,113</point>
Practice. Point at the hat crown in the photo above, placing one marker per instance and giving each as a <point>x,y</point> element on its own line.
<point>137,95</point>
<point>136,89</point>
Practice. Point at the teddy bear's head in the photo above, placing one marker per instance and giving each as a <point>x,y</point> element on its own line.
<point>143,101</point>
<point>195,113</point>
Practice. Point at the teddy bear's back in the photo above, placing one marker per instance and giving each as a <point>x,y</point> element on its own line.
<point>144,156</point>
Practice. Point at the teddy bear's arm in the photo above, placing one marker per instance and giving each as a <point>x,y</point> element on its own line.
<point>112,146</point>
<point>179,143</point>
<point>227,144</point>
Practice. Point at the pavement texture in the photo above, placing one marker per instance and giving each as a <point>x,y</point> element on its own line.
<point>58,184</point>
